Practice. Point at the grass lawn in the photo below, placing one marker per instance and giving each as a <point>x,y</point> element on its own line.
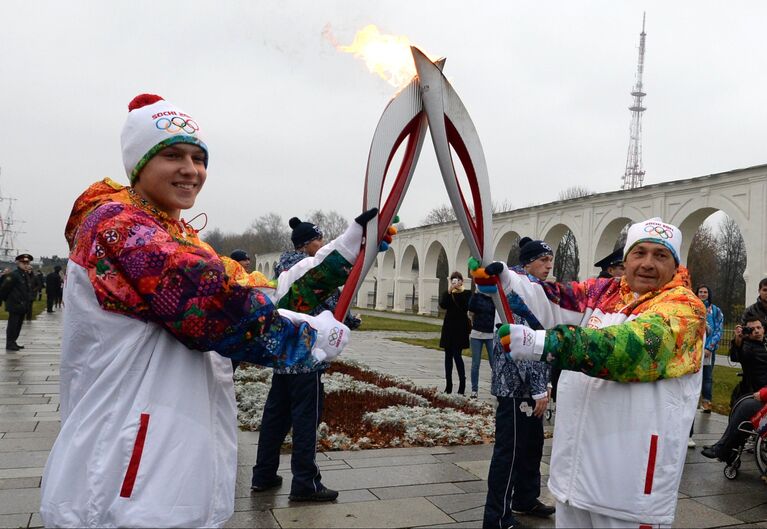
<point>429,343</point>
<point>37,308</point>
<point>725,379</point>
<point>432,343</point>
<point>378,323</point>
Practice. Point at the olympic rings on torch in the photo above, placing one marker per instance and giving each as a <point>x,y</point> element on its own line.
<point>177,124</point>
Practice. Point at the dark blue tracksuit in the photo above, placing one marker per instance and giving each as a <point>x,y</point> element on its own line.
<point>295,400</point>
<point>514,478</point>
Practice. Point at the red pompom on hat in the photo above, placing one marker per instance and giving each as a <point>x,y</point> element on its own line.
<point>143,100</point>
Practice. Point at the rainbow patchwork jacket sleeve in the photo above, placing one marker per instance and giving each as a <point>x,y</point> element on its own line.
<point>600,328</point>
<point>147,266</point>
<point>309,284</point>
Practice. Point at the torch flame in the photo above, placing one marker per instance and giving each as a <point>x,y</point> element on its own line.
<point>388,56</point>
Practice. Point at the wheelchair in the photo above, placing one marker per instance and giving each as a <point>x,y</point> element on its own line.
<point>753,441</point>
<point>551,409</point>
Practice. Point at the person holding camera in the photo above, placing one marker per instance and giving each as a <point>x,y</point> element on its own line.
<point>455,330</point>
<point>750,349</point>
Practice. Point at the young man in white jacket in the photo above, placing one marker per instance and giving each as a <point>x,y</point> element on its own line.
<point>152,322</point>
<point>630,350</point>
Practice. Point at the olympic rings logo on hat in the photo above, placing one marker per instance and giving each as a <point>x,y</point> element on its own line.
<point>177,124</point>
<point>660,231</point>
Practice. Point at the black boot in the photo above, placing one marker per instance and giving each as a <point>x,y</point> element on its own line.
<point>462,386</point>
<point>449,387</point>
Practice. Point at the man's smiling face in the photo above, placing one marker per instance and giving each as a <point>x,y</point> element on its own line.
<point>649,266</point>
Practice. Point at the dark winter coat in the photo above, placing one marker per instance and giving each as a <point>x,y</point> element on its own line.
<point>16,291</point>
<point>758,310</point>
<point>456,326</point>
<point>53,284</point>
<point>752,356</point>
<point>484,312</point>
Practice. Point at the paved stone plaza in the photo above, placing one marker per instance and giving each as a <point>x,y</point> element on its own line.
<point>404,487</point>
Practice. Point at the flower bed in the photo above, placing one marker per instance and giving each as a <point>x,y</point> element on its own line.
<point>368,409</point>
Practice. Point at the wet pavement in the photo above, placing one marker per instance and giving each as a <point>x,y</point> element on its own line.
<point>440,486</point>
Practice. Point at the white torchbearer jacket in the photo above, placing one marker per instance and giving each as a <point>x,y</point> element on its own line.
<point>148,416</point>
<point>627,394</point>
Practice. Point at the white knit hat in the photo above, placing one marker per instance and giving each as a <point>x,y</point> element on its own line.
<point>657,231</point>
<point>152,125</point>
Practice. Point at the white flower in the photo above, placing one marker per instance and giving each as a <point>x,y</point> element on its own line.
<point>423,423</point>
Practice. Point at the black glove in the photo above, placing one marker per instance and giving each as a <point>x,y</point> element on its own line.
<point>365,216</point>
<point>493,269</point>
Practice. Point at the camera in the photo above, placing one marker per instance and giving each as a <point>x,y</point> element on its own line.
<point>455,281</point>
<point>747,330</point>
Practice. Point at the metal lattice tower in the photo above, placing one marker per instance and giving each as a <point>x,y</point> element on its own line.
<point>634,175</point>
<point>7,229</point>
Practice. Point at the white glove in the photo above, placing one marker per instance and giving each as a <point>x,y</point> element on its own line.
<point>332,335</point>
<point>521,343</point>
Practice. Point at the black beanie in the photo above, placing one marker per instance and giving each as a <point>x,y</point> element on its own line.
<point>303,232</point>
<point>530,250</point>
<point>239,255</point>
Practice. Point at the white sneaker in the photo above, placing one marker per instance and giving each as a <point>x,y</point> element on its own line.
<point>690,443</point>
<point>473,395</point>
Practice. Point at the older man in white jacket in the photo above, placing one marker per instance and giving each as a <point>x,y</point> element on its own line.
<point>630,350</point>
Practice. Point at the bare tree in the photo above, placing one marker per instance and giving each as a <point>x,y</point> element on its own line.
<point>445,212</point>
<point>702,259</point>
<point>440,214</point>
<point>271,234</point>
<point>502,206</point>
<point>732,263</point>
<point>566,260</point>
<point>331,223</point>
<point>215,238</point>
<point>574,192</point>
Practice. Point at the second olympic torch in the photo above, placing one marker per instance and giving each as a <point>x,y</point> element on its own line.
<point>427,101</point>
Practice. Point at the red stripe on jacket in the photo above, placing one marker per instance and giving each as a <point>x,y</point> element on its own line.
<point>135,458</point>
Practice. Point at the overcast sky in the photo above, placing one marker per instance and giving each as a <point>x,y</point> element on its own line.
<point>288,119</point>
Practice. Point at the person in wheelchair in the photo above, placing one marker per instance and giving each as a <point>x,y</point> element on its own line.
<point>738,427</point>
<point>750,349</point>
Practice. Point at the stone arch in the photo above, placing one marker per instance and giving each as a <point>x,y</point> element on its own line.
<point>461,262</point>
<point>554,237</point>
<point>409,264</point>
<point>691,215</point>
<point>740,206</point>
<point>388,264</point>
<point>385,283</point>
<point>555,233</point>
<point>267,270</point>
<point>607,238</point>
<point>405,285</point>
<point>507,248</point>
<point>432,278</point>
<point>729,263</point>
<point>431,261</point>
<point>689,225</point>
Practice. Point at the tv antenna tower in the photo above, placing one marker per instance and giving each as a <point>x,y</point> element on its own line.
<point>634,175</point>
<point>7,228</point>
